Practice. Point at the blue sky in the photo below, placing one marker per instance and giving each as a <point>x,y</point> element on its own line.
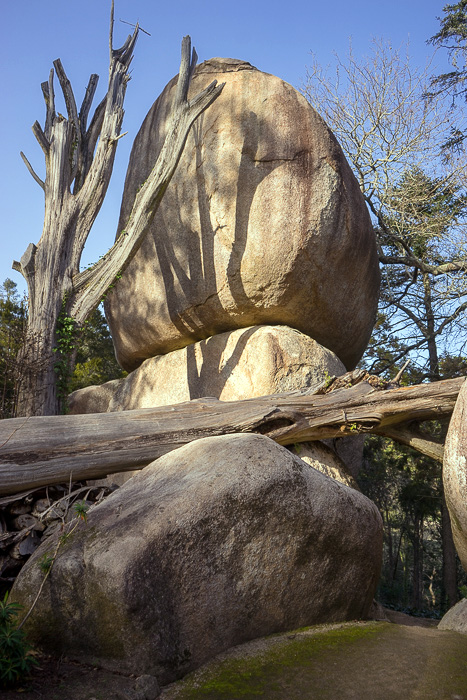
<point>274,36</point>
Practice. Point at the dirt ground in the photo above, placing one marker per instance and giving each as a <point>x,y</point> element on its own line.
<point>405,659</point>
<point>61,679</point>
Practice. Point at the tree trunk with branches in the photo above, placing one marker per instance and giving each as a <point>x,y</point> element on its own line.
<point>79,161</point>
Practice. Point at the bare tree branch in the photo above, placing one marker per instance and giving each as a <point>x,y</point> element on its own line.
<point>41,138</point>
<point>36,177</point>
<point>49,97</point>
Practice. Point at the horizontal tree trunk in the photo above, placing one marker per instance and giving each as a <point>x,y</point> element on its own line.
<point>43,450</point>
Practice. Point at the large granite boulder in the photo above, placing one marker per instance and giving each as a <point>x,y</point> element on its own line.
<point>455,474</point>
<point>262,223</point>
<point>231,366</point>
<point>223,540</point>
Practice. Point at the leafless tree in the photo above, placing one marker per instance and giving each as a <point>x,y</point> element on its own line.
<point>79,159</point>
<point>393,137</point>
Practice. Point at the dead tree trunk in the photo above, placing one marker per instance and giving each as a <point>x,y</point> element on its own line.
<point>45,450</point>
<point>77,176</point>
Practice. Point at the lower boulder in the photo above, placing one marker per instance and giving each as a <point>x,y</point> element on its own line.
<point>240,364</point>
<point>221,541</point>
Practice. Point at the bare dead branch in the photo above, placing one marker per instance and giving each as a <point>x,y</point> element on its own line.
<point>72,112</point>
<point>187,67</point>
<point>111,30</point>
<point>400,373</point>
<point>31,170</point>
<point>49,97</point>
<point>41,138</point>
<point>121,136</point>
<point>134,25</point>
<point>87,102</point>
<point>67,94</point>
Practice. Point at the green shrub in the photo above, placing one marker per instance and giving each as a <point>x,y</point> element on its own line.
<point>16,660</point>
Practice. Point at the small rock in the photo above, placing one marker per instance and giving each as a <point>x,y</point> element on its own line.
<point>149,686</point>
<point>19,507</point>
<point>26,520</point>
<point>25,545</point>
<point>40,506</point>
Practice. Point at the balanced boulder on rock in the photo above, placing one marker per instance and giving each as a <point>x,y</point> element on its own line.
<point>263,222</point>
<point>221,541</point>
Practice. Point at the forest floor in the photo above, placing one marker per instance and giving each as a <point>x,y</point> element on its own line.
<point>405,659</point>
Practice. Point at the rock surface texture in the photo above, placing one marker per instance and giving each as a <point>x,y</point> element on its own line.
<point>325,460</point>
<point>456,618</point>
<point>242,364</point>
<point>455,474</point>
<point>224,540</point>
<point>262,223</point>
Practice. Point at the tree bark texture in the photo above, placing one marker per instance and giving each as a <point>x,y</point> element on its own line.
<point>79,162</point>
<point>37,451</point>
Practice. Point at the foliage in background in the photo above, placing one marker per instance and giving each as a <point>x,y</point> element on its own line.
<point>12,328</point>
<point>95,357</point>
<point>92,347</point>
<point>394,133</point>
<point>407,488</point>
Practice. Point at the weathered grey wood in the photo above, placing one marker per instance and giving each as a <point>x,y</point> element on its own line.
<point>44,450</point>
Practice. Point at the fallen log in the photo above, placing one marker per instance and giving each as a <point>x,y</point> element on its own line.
<point>43,450</point>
